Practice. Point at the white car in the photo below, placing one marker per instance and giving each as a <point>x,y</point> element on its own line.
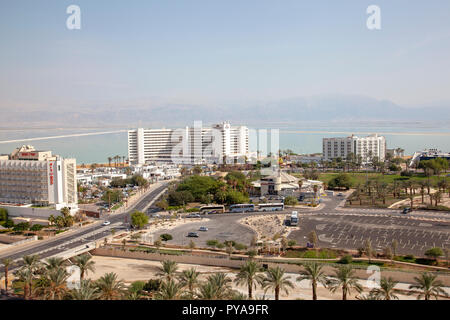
<point>106,223</point>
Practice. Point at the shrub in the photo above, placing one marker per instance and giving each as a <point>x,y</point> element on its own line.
<point>212,243</point>
<point>346,259</point>
<point>152,285</point>
<point>8,224</point>
<point>193,210</point>
<point>3,214</point>
<point>240,246</point>
<point>434,252</point>
<point>229,242</point>
<point>22,226</point>
<point>166,237</point>
<point>290,201</point>
<point>220,245</point>
<point>36,227</point>
<point>409,257</point>
<point>292,243</point>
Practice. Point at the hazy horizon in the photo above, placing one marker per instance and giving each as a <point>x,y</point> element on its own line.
<point>191,56</point>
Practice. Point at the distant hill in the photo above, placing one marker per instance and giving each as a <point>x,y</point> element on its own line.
<point>336,108</point>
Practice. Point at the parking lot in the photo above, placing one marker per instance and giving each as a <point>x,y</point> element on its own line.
<point>219,228</point>
<point>351,231</point>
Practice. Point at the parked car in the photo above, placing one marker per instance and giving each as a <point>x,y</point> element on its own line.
<point>203,229</point>
<point>106,223</point>
<point>193,215</point>
<point>340,194</point>
<point>193,234</point>
<point>406,210</point>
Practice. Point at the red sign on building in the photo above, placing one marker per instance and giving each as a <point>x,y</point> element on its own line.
<point>51,173</point>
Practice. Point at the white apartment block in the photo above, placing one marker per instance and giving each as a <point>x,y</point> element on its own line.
<point>28,176</point>
<point>365,147</point>
<point>190,145</point>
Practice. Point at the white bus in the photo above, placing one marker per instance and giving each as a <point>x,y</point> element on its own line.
<point>271,206</point>
<point>294,218</point>
<point>212,208</point>
<point>244,207</point>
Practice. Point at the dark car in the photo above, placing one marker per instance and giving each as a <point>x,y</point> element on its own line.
<point>406,210</point>
<point>193,234</point>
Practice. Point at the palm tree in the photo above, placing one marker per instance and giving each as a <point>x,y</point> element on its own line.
<point>109,161</point>
<point>54,263</point>
<point>275,279</point>
<point>25,276</point>
<point>429,286</point>
<point>346,280</point>
<point>56,287</point>
<point>386,290</point>
<point>169,290</point>
<point>217,286</point>
<point>168,269</point>
<point>32,263</point>
<point>85,264</point>
<point>87,291</point>
<point>109,287</point>
<point>6,264</point>
<point>189,279</point>
<point>313,272</point>
<point>248,275</point>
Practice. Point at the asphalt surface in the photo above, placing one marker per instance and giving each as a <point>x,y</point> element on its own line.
<point>336,228</point>
<point>84,235</point>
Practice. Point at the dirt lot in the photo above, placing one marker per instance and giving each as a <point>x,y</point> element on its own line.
<point>131,270</point>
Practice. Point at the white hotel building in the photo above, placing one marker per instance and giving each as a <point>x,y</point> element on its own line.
<point>28,176</point>
<point>366,147</point>
<point>190,145</point>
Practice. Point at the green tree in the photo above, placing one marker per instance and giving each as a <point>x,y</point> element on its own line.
<point>276,280</point>
<point>3,214</point>
<point>386,290</point>
<point>168,269</point>
<point>313,272</point>
<point>248,275</point>
<point>345,279</point>
<point>6,264</point>
<point>109,287</point>
<point>342,180</point>
<point>139,219</point>
<point>429,286</point>
<point>85,263</point>
<point>86,291</point>
<point>189,280</point>
<point>290,201</point>
<point>434,253</point>
<point>169,290</point>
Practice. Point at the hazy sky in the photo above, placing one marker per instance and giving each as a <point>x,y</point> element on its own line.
<point>222,50</point>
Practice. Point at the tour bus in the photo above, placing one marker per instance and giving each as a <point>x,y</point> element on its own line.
<point>212,209</point>
<point>294,218</point>
<point>271,207</point>
<point>244,207</point>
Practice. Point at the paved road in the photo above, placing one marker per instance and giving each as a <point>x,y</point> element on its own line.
<point>336,228</point>
<point>85,235</point>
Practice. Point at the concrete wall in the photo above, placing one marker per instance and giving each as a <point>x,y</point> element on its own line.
<point>402,276</point>
<point>27,212</point>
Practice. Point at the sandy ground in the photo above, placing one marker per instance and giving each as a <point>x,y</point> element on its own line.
<point>445,201</point>
<point>267,226</point>
<point>131,270</point>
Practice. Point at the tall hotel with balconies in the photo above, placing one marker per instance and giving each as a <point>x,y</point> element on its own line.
<point>28,176</point>
<point>365,147</point>
<point>190,145</point>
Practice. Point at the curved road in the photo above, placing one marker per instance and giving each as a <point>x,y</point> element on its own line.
<point>84,235</point>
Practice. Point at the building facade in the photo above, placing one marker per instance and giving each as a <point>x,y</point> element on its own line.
<point>189,145</point>
<point>29,176</point>
<point>364,147</point>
